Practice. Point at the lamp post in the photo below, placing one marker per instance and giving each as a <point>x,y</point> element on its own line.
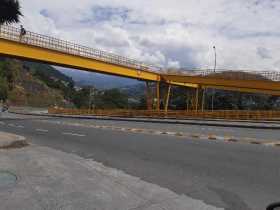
<point>215,65</point>
<point>91,98</point>
<point>215,58</point>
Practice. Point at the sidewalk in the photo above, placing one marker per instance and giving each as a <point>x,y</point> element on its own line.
<point>42,178</point>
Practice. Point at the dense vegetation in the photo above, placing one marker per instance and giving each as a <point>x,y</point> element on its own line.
<point>25,83</point>
<point>9,11</point>
<point>227,100</point>
<point>52,78</point>
<point>101,99</point>
<point>35,84</point>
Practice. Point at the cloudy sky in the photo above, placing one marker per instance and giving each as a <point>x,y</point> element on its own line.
<point>172,33</point>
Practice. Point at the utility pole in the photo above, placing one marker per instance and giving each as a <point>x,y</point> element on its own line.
<point>215,66</point>
<point>91,95</point>
<point>203,100</point>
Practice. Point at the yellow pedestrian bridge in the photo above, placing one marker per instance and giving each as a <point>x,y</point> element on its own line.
<point>41,48</point>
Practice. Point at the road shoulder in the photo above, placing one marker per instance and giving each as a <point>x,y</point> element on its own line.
<point>51,179</point>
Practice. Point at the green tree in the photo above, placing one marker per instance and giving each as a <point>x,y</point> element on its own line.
<point>105,99</point>
<point>9,11</point>
<point>81,98</point>
<point>3,89</point>
<point>11,72</point>
<point>113,99</point>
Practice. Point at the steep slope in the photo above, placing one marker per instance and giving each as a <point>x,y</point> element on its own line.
<point>100,81</point>
<point>32,84</point>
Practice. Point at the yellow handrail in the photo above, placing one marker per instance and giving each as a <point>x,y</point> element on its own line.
<point>221,114</point>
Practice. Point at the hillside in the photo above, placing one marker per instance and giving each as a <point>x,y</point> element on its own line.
<point>100,81</point>
<point>33,84</point>
<point>51,72</point>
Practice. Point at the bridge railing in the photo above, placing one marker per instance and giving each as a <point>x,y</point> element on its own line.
<point>219,114</point>
<point>39,40</point>
<point>231,74</point>
<point>34,39</point>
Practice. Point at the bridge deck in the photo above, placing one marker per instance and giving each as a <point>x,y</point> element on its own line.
<point>46,49</point>
<point>37,47</point>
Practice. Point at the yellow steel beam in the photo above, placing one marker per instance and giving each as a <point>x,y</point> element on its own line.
<point>257,86</point>
<point>33,53</point>
<point>183,84</point>
<point>158,95</point>
<point>167,98</point>
<point>41,54</point>
<point>245,90</point>
<point>196,99</point>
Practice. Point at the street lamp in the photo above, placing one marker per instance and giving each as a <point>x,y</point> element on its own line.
<point>215,58</point>
<point>91,98</point>
<point>215,65</point>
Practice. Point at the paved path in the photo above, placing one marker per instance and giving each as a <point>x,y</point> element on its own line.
<point>227,175</point>
<point>40,178</point>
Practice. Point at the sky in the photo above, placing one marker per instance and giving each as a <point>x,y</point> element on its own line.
<point>169,33</point>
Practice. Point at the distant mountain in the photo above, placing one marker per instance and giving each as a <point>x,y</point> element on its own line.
<point>100,81</point>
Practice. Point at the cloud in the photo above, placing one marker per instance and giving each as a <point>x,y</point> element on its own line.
<point>263,53</point>
<point>173,64</point>
<point>169,33</point>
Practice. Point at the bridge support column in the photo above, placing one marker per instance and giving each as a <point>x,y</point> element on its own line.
<point>149,96</point>
<point>197,100</point>
<point>167,97</point>
<point>191,99</point>
<point>188,100</point>
<point>158,96</point>
<point>153,95</point>
<point>203,100</point>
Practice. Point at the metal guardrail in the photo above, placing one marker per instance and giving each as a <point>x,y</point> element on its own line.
<point>34,39</point>
<point>232,74</point>
<point>226,114</point>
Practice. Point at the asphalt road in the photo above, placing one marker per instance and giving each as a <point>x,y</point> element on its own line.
<point>230,175</point>
<point>270,134</point>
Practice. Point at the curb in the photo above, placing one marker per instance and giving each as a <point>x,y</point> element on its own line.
<point>165,121</point>
<point>182,135</point>
<point>12,141</point>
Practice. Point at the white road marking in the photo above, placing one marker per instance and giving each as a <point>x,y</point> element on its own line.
<point>42,130</point>
<point>74,134</point>
<point>14,126</point>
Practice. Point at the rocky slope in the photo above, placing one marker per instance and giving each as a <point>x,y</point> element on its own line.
<point>29,84</point>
